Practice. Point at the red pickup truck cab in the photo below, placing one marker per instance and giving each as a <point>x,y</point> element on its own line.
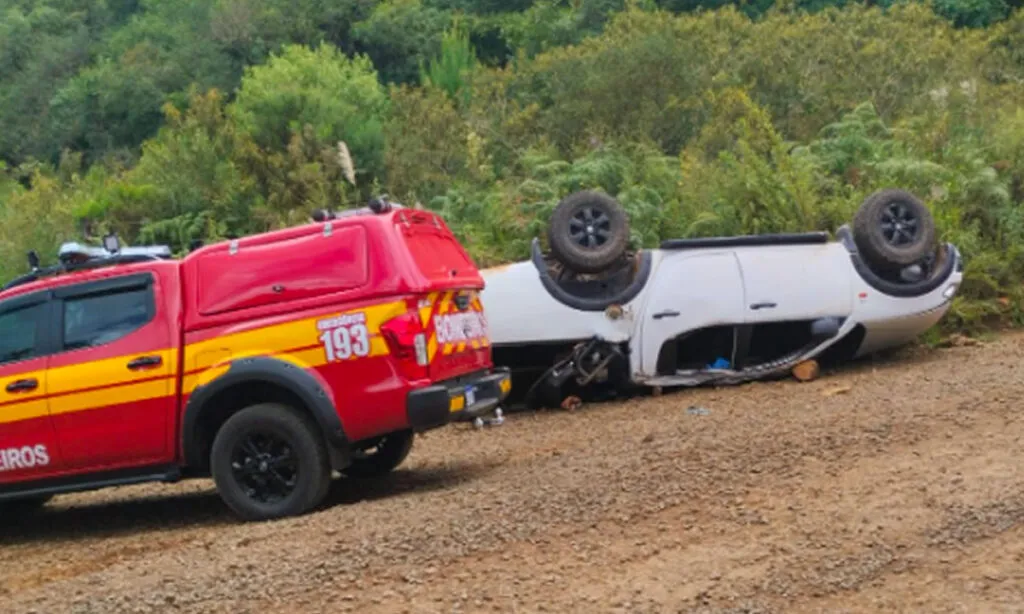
<point>267,363</point>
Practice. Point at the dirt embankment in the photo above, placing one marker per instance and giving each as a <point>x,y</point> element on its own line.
<point>893,486</point>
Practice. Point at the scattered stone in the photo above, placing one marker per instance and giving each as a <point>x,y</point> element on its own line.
<point>831,392</point>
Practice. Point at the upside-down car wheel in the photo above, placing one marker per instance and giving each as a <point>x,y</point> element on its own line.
<point>588,232</point>
<point>893,229</point>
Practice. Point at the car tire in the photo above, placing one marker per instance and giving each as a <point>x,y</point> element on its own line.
<point>390,451</point>
<point>269,461</point>
<point>588,232</point>
<point>893,229</point>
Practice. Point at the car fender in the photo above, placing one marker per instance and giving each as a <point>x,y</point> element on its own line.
<point>302,382</point>
<point>520,310</point>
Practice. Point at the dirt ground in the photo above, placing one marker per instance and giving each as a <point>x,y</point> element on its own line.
<point>892,486</point>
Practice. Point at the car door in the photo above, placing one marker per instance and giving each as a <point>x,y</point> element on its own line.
<point>690,290</point>
<point>112,382</point>
<point>795,282</point>
<point>28,445</point>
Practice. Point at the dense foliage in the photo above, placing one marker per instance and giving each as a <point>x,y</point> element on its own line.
<point>189,120</point>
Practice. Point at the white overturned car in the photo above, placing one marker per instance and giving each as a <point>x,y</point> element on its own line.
<point>592,316</point>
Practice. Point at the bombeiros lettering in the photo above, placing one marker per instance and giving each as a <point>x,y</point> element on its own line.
<point>460,327</point>
<point>25,457</point>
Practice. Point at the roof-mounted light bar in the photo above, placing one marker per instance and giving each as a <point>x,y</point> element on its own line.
<point>75,256</point>
<point>377,205</point>
<point>76,253</point>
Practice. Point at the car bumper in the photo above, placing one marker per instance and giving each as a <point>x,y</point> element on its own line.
<point>458,400</point>
<point>900,330</point>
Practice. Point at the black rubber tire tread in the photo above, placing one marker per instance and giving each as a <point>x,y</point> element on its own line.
<point>391,453</point>
<point>305,439</point>
<point>872,246</point>
<point>576,257</point>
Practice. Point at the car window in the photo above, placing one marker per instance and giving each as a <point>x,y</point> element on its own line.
<point>18,331</point>
<point>95,320</point>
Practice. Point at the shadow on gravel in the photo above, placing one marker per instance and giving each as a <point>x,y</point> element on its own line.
<point>415,482</point>
<point>63,520</point>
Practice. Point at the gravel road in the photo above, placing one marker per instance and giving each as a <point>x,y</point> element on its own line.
<point>892,485</point>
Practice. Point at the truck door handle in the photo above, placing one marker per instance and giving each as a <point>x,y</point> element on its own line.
<point>665,314</point>
<point>23,385</point>
<point>757,306</point>
<point>145,361</point>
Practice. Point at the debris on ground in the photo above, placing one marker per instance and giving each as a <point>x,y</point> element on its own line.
<point>807,370</point>
<point>958,340</point>
<point>571,403</point>
<point>831,392</point>
<point>694,410</point>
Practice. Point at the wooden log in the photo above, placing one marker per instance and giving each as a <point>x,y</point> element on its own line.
<point>807,370</point>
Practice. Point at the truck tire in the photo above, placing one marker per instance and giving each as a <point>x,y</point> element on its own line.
<point>269,461</point>
<point>893,229</point>
<point>588,231</point>
<point>386,456</point>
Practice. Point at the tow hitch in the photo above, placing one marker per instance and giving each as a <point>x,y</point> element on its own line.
<point>498,419</point>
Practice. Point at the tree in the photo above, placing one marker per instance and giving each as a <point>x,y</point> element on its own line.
<point>452,70</point>
<point>399,36</point>
<point>338,98</point>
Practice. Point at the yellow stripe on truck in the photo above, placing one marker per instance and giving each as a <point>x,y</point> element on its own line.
<point>279,338</point>
<point>27,410</point>
<point>10,399</point>
<point>106,382</point>
<point>124,394</point>
<point>106,372</point>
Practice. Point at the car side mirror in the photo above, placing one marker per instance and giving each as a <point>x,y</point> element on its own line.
<point>824,329</point>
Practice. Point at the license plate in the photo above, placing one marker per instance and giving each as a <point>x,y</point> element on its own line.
<point>470,396</point>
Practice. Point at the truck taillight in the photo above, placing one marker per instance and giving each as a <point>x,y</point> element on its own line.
<point>407,341</point>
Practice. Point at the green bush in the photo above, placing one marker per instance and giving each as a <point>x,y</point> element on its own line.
<point>336,97</point>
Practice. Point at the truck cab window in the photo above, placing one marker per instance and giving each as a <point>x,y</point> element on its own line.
<point>18,330</point>
<point>96,320</point>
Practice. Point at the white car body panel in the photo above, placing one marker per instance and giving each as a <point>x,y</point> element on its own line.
<point>710,286</point>
<point>713,295</point>
<point>891,321</point>
<point>802,281</point>
<point>524,312</point>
